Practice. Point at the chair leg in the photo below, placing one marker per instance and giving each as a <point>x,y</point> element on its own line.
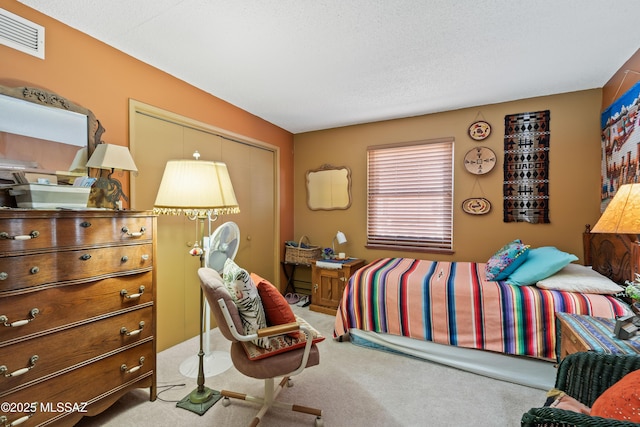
<point>270,394</point>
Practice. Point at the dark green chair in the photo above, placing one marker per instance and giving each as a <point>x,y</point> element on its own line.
<point>584,376</point>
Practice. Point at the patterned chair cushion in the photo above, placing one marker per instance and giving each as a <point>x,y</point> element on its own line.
<point>281,343</point>
<point>245,295</point>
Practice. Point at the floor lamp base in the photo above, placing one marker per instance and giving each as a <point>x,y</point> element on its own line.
<point>199,402</point>
<point>215,363</point>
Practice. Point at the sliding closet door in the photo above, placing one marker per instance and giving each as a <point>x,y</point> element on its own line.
<point>252,174</point>
<point>157,141</point>
<point>154,141</point>
<point>256,196</point>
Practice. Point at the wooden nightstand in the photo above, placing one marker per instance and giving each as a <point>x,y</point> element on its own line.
<point>577,332</point>
<point>327,285</point>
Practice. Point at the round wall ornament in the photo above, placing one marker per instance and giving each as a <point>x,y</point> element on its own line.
<point>479,160</point>
<point>479,130</point>
<point>476,206</point>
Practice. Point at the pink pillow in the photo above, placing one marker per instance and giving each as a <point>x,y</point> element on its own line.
<point>276,308</point>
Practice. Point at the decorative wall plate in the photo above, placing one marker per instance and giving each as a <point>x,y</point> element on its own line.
<point>479,130</point>
<point>479,160</point>
<point>476,206</point>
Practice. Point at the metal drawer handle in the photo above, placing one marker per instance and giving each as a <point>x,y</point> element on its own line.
<point>85,224</point>
<point>123,367</point>
<point>32,364</point>
<point>135,233</point>
<point>123,330</point>
<point>124,258</point>
<point>34,270</point>
<point>4,275</point>
<point>85,257</point>
<point>145,257</point>
<point>5,320</point>
<point>5,236</point>
<point>4,420</point>
<point>125,294</point>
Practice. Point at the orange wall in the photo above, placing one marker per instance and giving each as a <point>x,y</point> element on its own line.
<point>574,171</point>
<point>102,79</point>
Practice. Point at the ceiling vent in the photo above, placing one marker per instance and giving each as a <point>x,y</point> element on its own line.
<point>18,33</point>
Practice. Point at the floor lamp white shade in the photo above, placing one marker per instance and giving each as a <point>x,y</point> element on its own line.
<point>201,190</point>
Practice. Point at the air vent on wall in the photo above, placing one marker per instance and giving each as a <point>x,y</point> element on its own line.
<point>18,33</point>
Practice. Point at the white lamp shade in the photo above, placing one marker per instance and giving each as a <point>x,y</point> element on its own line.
<point>341,238</point>
<point>79,163</point>
<point>195,187</point>
<point>110,156</point>
<point>622,215</point>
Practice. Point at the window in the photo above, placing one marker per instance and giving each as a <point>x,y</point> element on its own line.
<point>410,196</point>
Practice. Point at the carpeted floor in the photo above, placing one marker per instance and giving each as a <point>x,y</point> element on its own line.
<point>353,386</point>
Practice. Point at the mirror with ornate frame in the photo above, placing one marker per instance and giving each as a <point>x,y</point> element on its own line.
<point>42,130</point>
<point>328,188</point>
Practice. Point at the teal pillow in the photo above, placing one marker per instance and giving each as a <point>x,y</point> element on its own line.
<point>506,260</point>
<point>540,264</point>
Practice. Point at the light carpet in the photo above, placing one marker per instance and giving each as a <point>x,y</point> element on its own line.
<point>353,386</point>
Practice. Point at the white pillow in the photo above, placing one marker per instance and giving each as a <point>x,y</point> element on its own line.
<point>578,278</point>
<point>245,294</point>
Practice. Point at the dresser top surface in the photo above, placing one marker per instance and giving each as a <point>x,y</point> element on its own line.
<point>13,213</point>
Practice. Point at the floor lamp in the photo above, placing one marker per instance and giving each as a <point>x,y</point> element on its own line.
<point>200,190</point>
<point>215,362</point>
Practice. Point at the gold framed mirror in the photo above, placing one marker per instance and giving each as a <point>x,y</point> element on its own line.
<point>43,129</point>
<point>329,188</point>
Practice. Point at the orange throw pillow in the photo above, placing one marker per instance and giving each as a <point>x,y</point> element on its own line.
<point>276,308</point>
<point>621,401</point>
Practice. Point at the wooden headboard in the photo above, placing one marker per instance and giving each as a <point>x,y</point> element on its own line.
<point>612,255</point>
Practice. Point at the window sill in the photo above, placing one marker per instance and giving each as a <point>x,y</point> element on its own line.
<point>412,249</point>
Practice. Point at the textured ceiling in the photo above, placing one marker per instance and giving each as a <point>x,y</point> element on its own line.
<point>315,64</point>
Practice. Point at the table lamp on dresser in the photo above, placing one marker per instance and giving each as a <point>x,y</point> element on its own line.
<point>107,192</point>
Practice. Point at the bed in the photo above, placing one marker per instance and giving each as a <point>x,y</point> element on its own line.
<point>448,312</point>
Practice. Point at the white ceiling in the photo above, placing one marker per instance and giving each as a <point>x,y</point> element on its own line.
<point>314,64</point>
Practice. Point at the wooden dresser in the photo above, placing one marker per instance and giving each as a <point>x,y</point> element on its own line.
<point>77,312</point>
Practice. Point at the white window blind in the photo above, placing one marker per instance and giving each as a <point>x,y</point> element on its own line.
<point>410,195</point>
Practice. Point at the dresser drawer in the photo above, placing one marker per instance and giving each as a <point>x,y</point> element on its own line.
<point>30,234</point>
<point>70,304</point>
<point>132,368</point>
<point>57,267</point>
<point>50,354</point>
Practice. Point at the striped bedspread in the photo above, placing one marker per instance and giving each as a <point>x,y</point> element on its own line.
<point>452,303</point>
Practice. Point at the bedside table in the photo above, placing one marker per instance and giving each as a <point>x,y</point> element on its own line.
<point>576,332</point>
<point>327,285</point>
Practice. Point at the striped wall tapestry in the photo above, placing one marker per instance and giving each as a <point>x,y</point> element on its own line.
<point>526,167</point>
